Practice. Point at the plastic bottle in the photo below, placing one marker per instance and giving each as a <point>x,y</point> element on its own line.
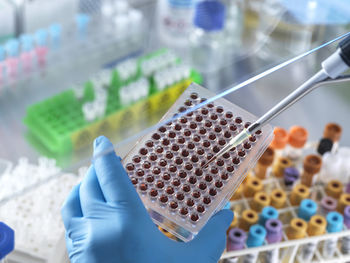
<point>174,19</point>
<point>207,41</point>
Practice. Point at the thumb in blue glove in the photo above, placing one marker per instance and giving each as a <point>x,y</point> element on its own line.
<point>106,221</point>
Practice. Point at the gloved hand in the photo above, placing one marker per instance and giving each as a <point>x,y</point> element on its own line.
<point>106,221</point>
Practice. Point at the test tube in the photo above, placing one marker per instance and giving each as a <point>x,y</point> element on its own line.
<point>345,243</point>
<point>325,145</point>
<point>7,243</point>
<point>256,237</point>
<point>312,165</point>
<point>296,229</point>
<point>334,188</point>
<point>249,218</point>
<point>55,31</point>
<point>267,213</point>
<point>12,61</point>
<point>316,226</point>
<point>307,209</point>
<point>260,200</point>
<point>333,132</point>
<point>252,186</point>
<point>343,202</point>
<point>290,175</point>
<point>278,198</point>
<point>280,165</point>
<point>280,139</point>
<point>27,53</point>
<point>82,21</point>
<point>299,193</point>
<point>41,46</point>
<point>328,204</point>
<point>236,240</point>
<point>264,162</point>
<point>334,224</point>
<point>297,138</point>
<point>274,235</point>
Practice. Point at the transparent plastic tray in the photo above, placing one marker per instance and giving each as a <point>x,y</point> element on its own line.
<point>166,166</point>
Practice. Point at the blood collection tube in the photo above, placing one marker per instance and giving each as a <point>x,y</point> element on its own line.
<point>41,46</point>
<point>297,138</point>
<point>307,209</point>
<point>328,204</point>
<point>299,193</point>
<point>316,226</point>
<point>312,165</point>
<point>256,237</point>
<point>343,202</point>
<point>296,229</point>
<point>334,224</point>
<point>334,188</point>
<point>290,175</point>
<point>252,186</point>
<point>27,53</point>
<point>236,239</point>
<point>281,164</point>
<point>333,132</point>
<point>274,235</point>
<point>12,60</point>
<point>7,243</point>
<point>278,198</point>
<point>249,217</point>
<point>280,139</point>
<point>238,193</point>
<point>260,200</point>
<point>264,163</point>
<point>345,242</point>
<point>325,145</point>
<point>267,213</point>
<point>55,31</point>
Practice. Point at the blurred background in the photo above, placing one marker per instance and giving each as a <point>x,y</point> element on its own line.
<point>58,57</point>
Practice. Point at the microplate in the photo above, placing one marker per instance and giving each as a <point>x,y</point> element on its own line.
<point>167,166</point>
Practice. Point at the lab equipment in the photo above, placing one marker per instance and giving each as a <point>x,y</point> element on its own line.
<point>280,165</point>
<point>252,186</point>
<point>264,163</point>
<point>333,132</point>
<point>311,166</point>
<point>260,200</point>
<point>299,193</point>
<point>343,202</point>
<point>101,104</point>
<point>256,237</point>
<point>297,138</point>
<point>7,241</point>
<point>331,70</point>
<point>307,209</point>
<point>236,239</point>
<point>328,204</point>
<point>12,61</point>
<point>26,56</point>
<point>334,188</point>
<point>274,235</point>
<point>175,21</point>
<point>290,175</point>
<point>278,198</point>
<point>41,50</point>
<point>345,244</point>
<point>249,218</point>
<point>207,42</point>
<point>267,213</point>
<point>334,224</point>
<point>172,158</point>
<point>107,191</point>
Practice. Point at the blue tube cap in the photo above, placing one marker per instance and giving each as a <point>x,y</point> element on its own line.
<point>26,42</point>
<point>210,15</point>
<point>267,213</point>
<point>12,47</point>
<point>41,37</point>
<point>256,236</point>
<point>7,240</point>
<point>307,209</point>
<point>55,30</point>
<point>334,222</point>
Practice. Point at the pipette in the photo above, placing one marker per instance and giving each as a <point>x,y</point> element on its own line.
<point>330,73</point>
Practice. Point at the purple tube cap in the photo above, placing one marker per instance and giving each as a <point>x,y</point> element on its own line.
<point>347,216</point>
<point>328,203</point>
<point>236,239</point>
<point>274,230</point>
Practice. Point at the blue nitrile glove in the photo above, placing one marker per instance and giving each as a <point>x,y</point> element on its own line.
<point>106,221</point>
